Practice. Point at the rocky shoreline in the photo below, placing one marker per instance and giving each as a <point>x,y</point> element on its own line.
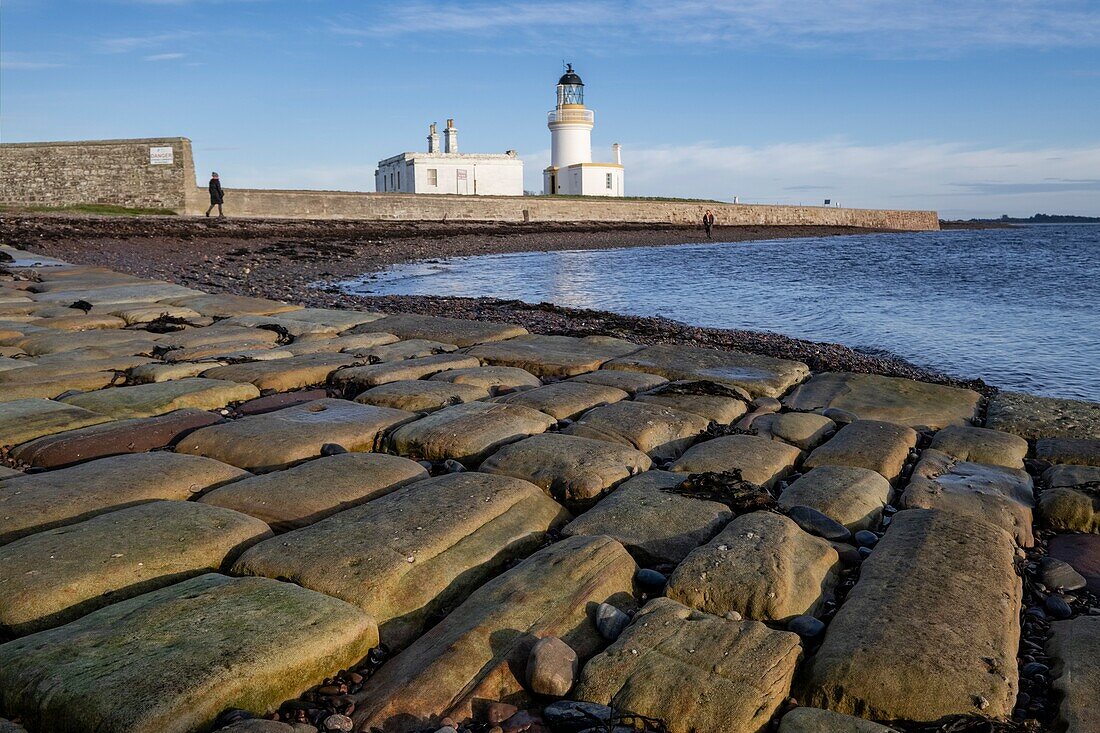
<point>312,519</point>
<point>301,261</point>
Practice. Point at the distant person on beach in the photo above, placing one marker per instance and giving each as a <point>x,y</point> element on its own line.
<point>217,195</point>
<point>708,222</point>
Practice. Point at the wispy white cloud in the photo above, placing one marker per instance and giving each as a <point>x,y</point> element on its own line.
<point>165,56</point>
<point>23,62</point>
<point>125,44</point>
<point>877,27</point>
<point>951,177</point>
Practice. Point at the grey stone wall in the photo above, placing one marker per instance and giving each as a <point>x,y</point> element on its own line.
<point>97,172</point>
<point>424,207</point>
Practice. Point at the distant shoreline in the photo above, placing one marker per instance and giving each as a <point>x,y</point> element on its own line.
<point>285,260</point>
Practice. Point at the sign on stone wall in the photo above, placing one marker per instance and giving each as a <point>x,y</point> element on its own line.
<point>161,156</point>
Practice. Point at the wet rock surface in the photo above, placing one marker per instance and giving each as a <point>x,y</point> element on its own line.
<point>657,527</point>
<point>761,566</point>
<point>106,671</point>
<point>893,650</point>
<point>702,673</point>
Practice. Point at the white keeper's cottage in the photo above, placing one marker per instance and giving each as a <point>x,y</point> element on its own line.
<point>449,171</point>
<point>571,168</point>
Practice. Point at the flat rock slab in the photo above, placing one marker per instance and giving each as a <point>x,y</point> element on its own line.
<point>556,357</point>
<point>59,575</point>
<point>1082,551</point>
<point>630,382</point>
<point>80,322</point>
<point>52,366</point>
<point>662,432</point>
<point>284,437</point>
<point>1034,417</point>
<point>236,351</point>
<point>141,292</point>
<point>357,379</point>
<point>496,379</point>
<point>112,439</point>
<point>919,405</point>
<point>878,446</point>
<point>282,325</point>
<point>394,351</point>
<point>981,445</point>
<point>760,460</point>
<point>420,395</point>
<point>223,642</point>
<point>762,566</point>
<point>56,342</point>
<point>564,400</point>
<point>137,313</point>
<point>805,430</point>
<point>1003,496</point>
<point>458,331</point>
<point>656,526</point>
<point>574,471</point>
<point>468,433</point>
<point>478,653</point>
<point>149,400</point>
<point>341,320</point>
<point>931,629</point>
<point>282,375</point>
<point>855,497</point>
<point>25,420</point>
<point>410,554</point>
<point>1072,451</point>
<point>311,491</point>
<point>758,375</point>
<point>1075,647</point>
<point>222,335</point>
<point>696,672</point>
<point>815,720</point>
<point>273,402</point>
<point>227,306</point>
<point>35,502</point>
<point>1064,507</point>
<point>716,408</point>
<point>25,389</point>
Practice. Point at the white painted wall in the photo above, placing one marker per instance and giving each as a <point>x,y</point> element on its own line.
<point>594,180</point>
<point>570,143</point>
<point>454,174</point>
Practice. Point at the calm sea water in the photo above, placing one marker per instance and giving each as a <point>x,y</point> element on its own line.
<point>1018,307</point>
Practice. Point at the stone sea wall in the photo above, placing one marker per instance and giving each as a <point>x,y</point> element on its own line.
<point>130,173</point>
<point>136,173</point>
<point>412,207</point>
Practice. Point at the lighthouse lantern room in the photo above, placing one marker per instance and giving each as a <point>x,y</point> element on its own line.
<point>571,168</point>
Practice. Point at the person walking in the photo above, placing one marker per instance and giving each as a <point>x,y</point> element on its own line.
<point>708,222</point>
<point>217,195</point>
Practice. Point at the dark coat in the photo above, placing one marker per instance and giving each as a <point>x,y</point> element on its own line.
<point>708,220</point>
<point>217,195</point>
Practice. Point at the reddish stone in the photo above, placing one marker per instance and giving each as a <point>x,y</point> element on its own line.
<point>1082,551</point>
<point>270,403</point>
<point>113,438</point>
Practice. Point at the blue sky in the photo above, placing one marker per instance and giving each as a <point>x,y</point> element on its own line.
<point>970,107</point>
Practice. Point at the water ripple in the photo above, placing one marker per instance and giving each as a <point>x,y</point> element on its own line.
<point>1017,307</point>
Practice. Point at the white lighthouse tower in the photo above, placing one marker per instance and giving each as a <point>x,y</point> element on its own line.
<point>571,168</point>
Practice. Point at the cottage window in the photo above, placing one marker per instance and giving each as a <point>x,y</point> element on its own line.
<point>609,185</point>
<point>433,176</point>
